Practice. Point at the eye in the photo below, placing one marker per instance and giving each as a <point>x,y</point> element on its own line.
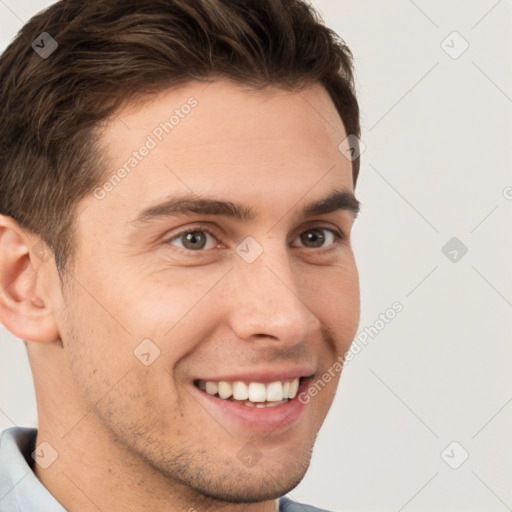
<point>197,239</point>
<point>315,237</point>
<point>193,239</point>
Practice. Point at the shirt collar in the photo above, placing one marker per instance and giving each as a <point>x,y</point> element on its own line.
<point>20,489</point>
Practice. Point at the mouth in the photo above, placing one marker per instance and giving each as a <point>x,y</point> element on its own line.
<point>252,394</point>
<point>264,405</point>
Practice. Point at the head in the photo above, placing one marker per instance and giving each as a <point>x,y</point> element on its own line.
<point>176,212</point>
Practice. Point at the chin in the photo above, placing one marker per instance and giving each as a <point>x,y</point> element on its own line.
<point>233,482</point>
<point>248,487</point>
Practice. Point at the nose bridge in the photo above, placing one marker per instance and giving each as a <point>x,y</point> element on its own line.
<point>267,301</point>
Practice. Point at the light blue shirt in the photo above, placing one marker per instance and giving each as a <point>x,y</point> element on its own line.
<point>21,490</point>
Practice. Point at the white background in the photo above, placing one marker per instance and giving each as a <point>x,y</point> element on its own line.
<point>438,133</point>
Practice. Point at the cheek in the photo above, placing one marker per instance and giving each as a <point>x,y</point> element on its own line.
<point>98,342</point>
<point>158,303</point>
<point>98,350</point>
<point>333,295</point>
<point>111,380</point>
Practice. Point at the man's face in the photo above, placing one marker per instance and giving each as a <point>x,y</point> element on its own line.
<point>265,299</point>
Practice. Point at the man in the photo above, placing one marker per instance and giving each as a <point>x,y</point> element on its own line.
<point>177,200</point>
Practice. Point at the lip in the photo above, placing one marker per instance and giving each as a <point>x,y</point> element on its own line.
<point>264,376</point>
<point>262,420</point>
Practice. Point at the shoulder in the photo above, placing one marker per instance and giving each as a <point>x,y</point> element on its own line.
<point>288,505</point>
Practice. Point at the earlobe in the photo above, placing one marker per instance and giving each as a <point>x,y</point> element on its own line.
<point>24,311</point>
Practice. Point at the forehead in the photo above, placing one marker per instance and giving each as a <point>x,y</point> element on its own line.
<point>223,138</point>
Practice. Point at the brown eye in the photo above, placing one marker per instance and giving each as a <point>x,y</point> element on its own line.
<point>316,237</point>
<point>192,240</point>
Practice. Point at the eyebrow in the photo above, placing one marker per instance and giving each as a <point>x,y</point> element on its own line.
<point>190,204</point>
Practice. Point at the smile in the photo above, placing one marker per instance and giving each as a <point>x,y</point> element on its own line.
<point>252,394</point>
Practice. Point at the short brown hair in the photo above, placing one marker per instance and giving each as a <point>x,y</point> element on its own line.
<point>111,51</point>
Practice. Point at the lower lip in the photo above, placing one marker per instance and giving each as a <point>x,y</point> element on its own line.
<point>258,419</point>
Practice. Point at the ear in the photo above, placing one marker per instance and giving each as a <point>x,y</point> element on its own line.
<point>24,305</point>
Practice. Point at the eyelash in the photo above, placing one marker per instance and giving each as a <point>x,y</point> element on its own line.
<point>338,238</point>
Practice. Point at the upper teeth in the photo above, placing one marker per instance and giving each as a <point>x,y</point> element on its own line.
<point>253,391</point>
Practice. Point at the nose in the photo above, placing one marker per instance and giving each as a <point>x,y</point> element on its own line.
<point>268,301</point>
